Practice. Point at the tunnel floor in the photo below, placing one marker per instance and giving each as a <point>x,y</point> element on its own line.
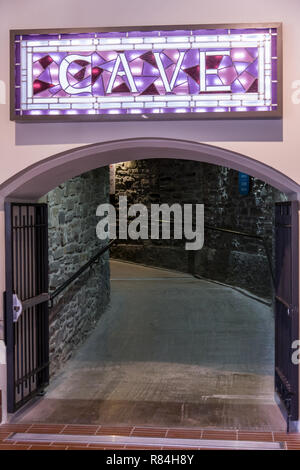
<point>170,350</point>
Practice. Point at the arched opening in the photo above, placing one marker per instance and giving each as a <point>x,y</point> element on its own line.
<point>37,180</point>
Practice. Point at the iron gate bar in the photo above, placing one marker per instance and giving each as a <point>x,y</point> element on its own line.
<point>27,339</point>
<point>287,307</point>
<point>32,372</point>
<point>31,302</point>
<point>8,311</point>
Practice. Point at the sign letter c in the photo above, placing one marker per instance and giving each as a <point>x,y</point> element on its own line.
<point>63,75</point>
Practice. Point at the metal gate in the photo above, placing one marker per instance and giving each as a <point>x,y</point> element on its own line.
<point>287,305</point>
<point>27,338</point>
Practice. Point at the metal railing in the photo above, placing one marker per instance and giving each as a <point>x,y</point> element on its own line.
<point>80,271</point>
<point>95,258</point>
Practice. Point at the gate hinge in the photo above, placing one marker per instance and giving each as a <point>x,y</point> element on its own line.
<point>293,310</point>
<point>4,318</point>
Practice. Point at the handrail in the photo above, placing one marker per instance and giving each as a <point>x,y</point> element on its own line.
<point>83,268</point>
<point>248,235</point>
<point>95,258</point>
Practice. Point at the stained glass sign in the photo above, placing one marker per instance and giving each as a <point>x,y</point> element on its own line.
<point>164,73</point>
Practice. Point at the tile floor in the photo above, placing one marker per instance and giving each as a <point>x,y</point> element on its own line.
<point>291,441</point>
<point>170,351</point>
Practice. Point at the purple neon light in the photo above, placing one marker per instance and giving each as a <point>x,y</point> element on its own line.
<point>238,71</point>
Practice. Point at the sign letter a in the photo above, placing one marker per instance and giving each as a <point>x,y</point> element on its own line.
<point>121,59</point>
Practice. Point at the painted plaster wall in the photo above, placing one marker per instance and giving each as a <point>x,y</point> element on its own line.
<point>242,136</point>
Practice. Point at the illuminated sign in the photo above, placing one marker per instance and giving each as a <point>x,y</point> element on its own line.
<point>164,73</point>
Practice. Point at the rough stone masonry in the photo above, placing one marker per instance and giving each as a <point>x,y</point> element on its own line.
<point>229,259</point>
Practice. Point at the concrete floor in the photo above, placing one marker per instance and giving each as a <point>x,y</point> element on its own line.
<point>170,350</point>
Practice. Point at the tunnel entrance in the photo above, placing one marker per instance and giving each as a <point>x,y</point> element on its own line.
<point>174,282</point>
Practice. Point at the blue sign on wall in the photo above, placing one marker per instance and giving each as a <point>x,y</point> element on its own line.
<point>244,184</point>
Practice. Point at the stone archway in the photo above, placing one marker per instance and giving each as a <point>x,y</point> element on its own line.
<point>38,179</point>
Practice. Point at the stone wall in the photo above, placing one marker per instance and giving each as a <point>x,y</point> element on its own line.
<point>238,260</point>
<point>233,260</point>
<point>151,181</point>
<point>72,242</point>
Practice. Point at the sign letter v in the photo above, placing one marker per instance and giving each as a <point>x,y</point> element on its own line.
<point>169,86</point>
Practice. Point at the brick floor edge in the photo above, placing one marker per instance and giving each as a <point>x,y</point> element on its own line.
<point>291,441</point>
